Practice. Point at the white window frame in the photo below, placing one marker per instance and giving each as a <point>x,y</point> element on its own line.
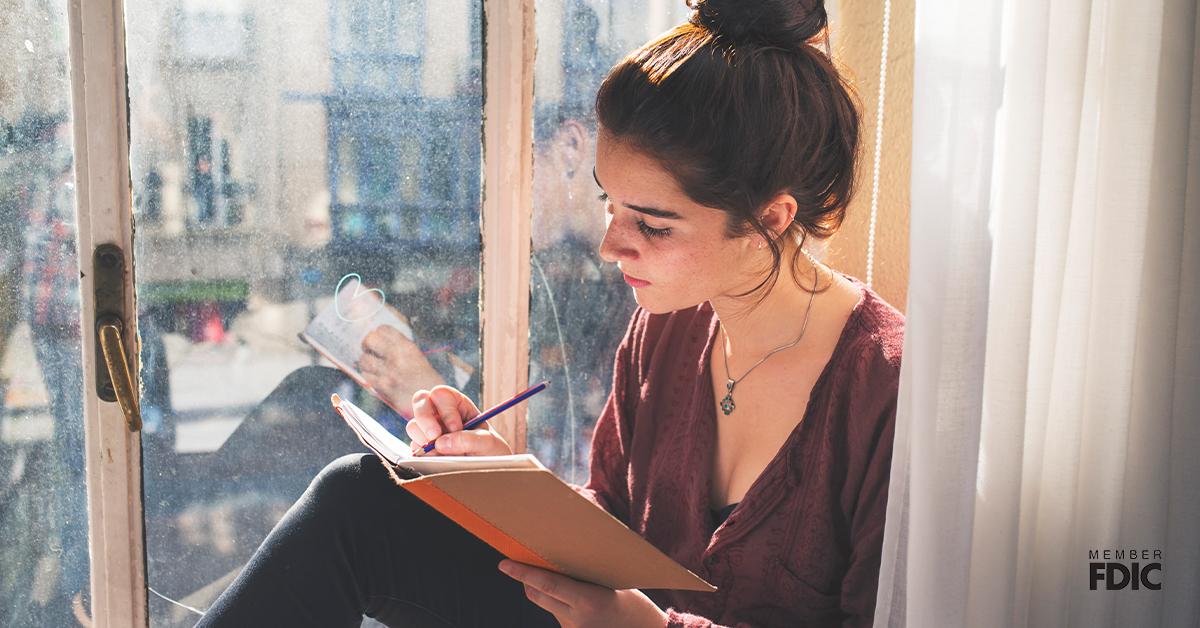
<point>105,215</point>
<point>509,44</point>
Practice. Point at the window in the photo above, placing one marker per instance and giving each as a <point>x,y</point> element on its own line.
<point>318,151</point>
<point>43,509</point>
<point>273,150</point>
<point>571,341</point>
<point>391,35</point>
<point>213,31</point>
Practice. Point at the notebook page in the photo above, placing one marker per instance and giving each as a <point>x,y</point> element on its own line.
<point>399,454</point>
<point>371,433</point>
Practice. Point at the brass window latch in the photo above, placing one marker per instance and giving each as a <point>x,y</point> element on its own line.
<point>114,381</point>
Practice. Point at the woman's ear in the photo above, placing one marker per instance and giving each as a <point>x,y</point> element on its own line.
<point>779,214</point>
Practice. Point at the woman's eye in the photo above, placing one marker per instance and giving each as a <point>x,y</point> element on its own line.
<point>651,232</point>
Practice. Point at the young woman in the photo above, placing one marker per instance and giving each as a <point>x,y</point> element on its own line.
<point>749,429</point>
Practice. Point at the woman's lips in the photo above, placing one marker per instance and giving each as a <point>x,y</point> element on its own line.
<point>635,282</point>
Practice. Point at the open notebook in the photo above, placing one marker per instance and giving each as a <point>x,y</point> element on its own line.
<point>519,507</point>
<point>399,455</point>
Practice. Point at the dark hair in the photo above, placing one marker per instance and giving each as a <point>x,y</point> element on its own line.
<point>739,105</point>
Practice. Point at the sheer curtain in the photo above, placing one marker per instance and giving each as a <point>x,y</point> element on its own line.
<point>1050,394</point>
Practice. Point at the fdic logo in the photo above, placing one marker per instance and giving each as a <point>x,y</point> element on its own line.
<point>1123,569</point>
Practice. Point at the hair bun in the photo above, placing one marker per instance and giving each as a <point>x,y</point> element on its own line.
<point>784,23</point>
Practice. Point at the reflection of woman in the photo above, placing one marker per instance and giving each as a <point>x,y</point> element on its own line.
<point>579,305</point>
<point>748,431</point>
<point>51,304</point>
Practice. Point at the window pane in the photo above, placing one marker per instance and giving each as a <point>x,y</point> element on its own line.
<point>43,512</point>
<point>579,306</point>
<point>276,148</point>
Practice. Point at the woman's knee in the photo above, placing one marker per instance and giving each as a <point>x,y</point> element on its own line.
<point>356,490</point>
<point>348,479</point>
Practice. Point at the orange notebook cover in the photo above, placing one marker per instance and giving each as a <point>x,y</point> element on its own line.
<point>519,507</point>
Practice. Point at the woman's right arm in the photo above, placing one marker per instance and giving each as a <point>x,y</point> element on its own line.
<point>440,413</point>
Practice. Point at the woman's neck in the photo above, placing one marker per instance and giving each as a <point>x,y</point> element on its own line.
<point>753,328</point>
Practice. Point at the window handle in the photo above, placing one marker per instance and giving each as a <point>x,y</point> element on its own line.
<point>113,347</point>
<point>113,379</point>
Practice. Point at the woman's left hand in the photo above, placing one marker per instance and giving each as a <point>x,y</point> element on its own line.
<point>582,605</point>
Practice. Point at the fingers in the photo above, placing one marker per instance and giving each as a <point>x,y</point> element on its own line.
<point>476,442</point>
<point>553,606</point>
<point>452,406</point>
<point>438,417</point>
<point>425,425</point>
<point>550,589</point>
<point>441,411</point>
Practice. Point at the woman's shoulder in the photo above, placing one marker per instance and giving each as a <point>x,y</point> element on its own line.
<point>863,385</point>
<point>879,323</point>
<point>875,329</point>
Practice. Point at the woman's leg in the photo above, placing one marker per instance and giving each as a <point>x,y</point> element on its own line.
<point>355,544</point>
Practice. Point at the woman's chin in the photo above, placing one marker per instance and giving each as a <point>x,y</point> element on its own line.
<point>655,304</point>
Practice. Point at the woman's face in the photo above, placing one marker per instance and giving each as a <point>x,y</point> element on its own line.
<point>674,252</point>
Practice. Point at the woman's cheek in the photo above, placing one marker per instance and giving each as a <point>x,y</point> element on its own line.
<point>692,270</point>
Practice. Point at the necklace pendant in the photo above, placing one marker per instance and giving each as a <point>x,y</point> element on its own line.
<point>727,405</point>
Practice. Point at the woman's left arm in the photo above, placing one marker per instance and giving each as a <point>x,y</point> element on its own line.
<point>861,582</point>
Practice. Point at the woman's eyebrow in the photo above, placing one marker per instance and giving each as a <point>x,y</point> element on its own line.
<point>649,211</point>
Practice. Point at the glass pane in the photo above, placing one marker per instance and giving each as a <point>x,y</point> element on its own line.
<point>277,149</point>
<point>43,503</point>
<point>571,340</point>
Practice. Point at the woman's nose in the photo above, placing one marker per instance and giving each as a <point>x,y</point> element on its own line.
<point>614,247</point>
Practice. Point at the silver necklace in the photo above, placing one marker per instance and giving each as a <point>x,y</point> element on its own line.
<point>727,404</point>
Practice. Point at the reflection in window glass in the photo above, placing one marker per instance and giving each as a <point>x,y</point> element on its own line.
<point>579,306</point>
<point>318,138</point>
<point>43,510</point>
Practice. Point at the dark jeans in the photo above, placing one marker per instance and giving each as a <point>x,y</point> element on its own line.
<point>357,544</point>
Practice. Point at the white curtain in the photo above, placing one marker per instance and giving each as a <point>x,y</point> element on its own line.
<point>1050,390</point>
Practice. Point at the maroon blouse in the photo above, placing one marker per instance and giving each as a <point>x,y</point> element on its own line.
<point>802,548</point>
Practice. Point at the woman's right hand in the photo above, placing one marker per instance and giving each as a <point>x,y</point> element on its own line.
<point>438,416</point>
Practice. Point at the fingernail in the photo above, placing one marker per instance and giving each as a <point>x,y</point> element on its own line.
<point>504,566</point>
<point>446,442</point>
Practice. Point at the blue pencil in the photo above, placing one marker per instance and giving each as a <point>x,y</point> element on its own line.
<point>518,398</point>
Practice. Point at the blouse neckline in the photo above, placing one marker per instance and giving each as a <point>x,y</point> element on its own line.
<point>707,418</point>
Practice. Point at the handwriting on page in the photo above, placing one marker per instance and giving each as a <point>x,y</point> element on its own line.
<point>355,303</point>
